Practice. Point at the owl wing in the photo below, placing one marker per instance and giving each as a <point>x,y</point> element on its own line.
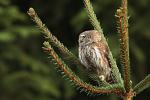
<point>104,53</point>
<point>106,61</point>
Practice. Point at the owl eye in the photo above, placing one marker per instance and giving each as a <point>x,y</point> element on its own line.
<point>83,36</point>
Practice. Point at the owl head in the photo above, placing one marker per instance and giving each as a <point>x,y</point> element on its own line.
<point>88,37</point>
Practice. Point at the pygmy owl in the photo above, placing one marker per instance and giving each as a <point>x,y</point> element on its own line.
<point>93,54</point>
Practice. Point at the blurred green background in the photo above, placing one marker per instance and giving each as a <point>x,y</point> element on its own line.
<point>25,71</point>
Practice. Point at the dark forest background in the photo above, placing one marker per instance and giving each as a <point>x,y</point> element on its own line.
<point>25,71</point>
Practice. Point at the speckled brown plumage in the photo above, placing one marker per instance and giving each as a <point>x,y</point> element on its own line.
<point>93,54</point>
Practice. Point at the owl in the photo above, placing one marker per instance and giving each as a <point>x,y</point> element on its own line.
<point>93,54</point>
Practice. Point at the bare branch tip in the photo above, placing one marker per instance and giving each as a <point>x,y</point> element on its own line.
<point>31,12</point>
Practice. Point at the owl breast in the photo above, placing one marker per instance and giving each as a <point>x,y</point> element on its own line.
<point>94,59</point>
<point>89,53</point>
<point>90,56</point>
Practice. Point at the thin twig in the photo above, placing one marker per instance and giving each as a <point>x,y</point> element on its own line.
<point>92,16</point>
<point>145,83</point>
<point>124,40</point>
<point>53,40</point>
<point>122,23</point>
<point>46,31</point>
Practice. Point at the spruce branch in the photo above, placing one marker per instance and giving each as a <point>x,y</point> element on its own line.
<point>92,16</point>
<point>145,83</point>
<point>122,23</point>
<point>96,25</point>
<point>120,88</point>
<point>115,88</point>
<point>88,88</point>
<point>52,39</point>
